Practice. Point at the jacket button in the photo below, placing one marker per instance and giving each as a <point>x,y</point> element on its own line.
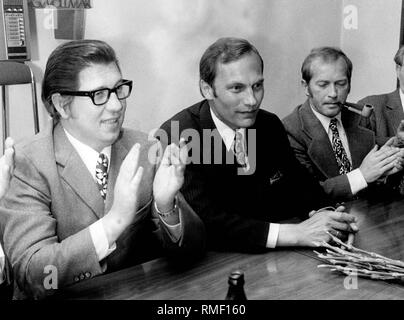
<point>76,279</point>
<point>82,277</point>
<point>88,274</point>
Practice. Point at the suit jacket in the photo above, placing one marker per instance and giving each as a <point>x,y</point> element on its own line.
<point>237,209</point>
<point>313,148</point>
<point>387,114</point>
<point>52,201</point>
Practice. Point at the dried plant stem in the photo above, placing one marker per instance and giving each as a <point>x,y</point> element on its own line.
<point>350,260</point>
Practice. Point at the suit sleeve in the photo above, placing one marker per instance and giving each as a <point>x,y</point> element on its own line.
<point>41,262</point>
<point>337,188</point>
<point>192,240</point>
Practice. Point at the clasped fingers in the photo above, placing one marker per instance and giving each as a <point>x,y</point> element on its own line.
<point>345,221</point>
<point>386,152</point>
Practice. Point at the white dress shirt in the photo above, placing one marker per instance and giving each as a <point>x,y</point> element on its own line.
<point>401,97</point>
<point>90,157</point>
<point>97,231</point>
<point>355,178</point>
<point>2,265</point>
<point>228,135</point>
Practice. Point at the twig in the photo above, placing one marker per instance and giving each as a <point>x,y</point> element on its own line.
<point>350,260</point>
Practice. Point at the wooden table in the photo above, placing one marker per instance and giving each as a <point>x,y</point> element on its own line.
<point>284,273</point>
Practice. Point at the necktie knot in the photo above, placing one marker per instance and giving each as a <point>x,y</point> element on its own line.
<point>101,174</point>
<point>334,125</point>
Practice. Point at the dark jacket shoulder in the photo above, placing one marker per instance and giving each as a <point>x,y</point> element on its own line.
<point>186,118</point>
<point>377,99</point>
<point>293,117</point>
<point>293,122</point>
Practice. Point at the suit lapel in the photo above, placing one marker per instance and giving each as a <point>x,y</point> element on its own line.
<point>358,138</point>
<point>320,149</point>
<point>205,116</point>
<point>75,173</point>
<point>394,110</point>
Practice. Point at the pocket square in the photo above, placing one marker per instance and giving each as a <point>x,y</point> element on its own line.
<point>276,177</point>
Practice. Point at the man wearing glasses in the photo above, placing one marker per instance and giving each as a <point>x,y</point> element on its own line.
<point>87,196</point>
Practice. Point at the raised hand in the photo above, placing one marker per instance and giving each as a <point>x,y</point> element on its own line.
<point>6,166</point>
<point>392,144</point>
<point>385,161</point>
<point>170,176</point>
<point>399,138</point>
<point>126,192</point>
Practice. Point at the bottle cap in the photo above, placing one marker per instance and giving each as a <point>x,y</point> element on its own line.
<point>236,278</point>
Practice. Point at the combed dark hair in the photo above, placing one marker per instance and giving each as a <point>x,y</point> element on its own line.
<point>67,61</point>
<point>224,50</point>
<point>398,58</point>
<point>327,54</point>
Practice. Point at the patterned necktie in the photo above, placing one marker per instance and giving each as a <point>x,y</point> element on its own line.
<point>239,149</point>
<point>344,164</point>
<point>101,174</point>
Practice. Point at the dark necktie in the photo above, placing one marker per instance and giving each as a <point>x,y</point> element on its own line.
<point>344,164</point>
<point>101,174</point>
<point>239,149</point>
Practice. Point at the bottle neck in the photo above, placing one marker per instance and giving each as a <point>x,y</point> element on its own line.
<point>236,292</point>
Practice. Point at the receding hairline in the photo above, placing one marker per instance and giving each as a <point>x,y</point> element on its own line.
<point>220,62</point>
<point>327,60</point>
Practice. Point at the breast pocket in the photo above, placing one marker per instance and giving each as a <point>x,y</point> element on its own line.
<point>275,178</point>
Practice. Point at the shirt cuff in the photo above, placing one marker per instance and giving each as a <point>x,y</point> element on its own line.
<point>174,231</point>
<point>273,235</point>
<point>356,181</point>
<point>2,266</point>
<point>100,240</point>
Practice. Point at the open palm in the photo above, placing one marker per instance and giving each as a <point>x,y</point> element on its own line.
<point>170,175</point>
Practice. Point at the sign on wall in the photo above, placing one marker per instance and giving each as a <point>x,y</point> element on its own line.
<point>67,16</point>
<point>61,4</point>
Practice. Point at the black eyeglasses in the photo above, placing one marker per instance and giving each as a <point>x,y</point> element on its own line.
<point>101,96</point>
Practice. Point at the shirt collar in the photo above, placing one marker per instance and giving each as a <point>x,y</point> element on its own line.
<point>225,131</point>
<point>88,154</point>
<point>401,97</point>
<point>325,121</point>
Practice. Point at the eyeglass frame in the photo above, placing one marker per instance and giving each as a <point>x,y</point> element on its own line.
<point>92,93</point>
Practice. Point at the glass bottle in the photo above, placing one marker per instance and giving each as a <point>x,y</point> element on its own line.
<point>236,286</point>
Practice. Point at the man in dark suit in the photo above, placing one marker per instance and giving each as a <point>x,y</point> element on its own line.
<point>388,107</point>
<point>243,177</point>
<point>87,196</point>
<point>327,139</point>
